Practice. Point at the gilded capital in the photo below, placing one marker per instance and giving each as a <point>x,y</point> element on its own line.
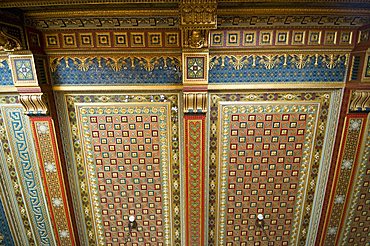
<point>360,100</point>
<point>195,102</point>
<point>34,103</point>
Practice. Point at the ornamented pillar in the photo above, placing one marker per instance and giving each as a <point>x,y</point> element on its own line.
<point>51,172</point>
<point>195,107</point>
<point>28,79</point>
<point>197,18</point>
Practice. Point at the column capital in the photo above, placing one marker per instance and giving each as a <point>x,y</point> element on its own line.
<point>26,80</point>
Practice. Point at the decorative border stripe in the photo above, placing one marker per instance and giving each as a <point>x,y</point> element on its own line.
<point>361,175</point>
<point>194,179</point>
<point>50,166</point>
<point>31,181</point>
<point>351,138</point>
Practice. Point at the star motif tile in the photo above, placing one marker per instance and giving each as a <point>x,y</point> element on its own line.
<point>23,69</point>
<point>195,67</point>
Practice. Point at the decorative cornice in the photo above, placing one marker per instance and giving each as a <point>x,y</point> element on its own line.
<point>195,102</point>
<point>199,14</point>
<point>97,22</point>
<point>38,3</point>
<point>253,19</point>
<point>116,63</point>
<point>269,61</point>
<point>360,100</point>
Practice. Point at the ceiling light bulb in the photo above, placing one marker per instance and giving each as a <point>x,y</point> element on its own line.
<point>131,218</point>
<point>260,216</point>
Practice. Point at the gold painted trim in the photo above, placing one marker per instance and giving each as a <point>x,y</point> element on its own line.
<point>115,88</point>
<point>359,100</point>
<point>280,50</point>
<point>298,85</point>
<point>291,11</point>
<point>88,53</point>
<point>101,13</point>
<point>8,89</point>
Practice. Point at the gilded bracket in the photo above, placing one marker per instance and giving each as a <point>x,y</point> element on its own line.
<point>8,42</point>
<point>197,18</point>
<point>26,81</point>
<point>360,100</point>
<point>34,103</point>
<point>195,102</point>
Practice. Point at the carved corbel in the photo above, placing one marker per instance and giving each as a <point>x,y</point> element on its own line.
<point>197,18</point>
<point>8,42</point>
<point>26,80</point>
<point>34,103</point>
<point>195,102</point>
<point>360,101</point>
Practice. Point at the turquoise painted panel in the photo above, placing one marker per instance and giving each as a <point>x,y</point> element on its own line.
<point>6,237</point>
<point>5,73</point>
<point>126,70</point>
<point>277,68</point>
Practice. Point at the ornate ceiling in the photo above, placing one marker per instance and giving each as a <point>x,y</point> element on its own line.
<point>206,122</point>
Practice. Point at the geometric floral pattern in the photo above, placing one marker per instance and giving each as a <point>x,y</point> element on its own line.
<point>23,69</point>
<point>50,167</point>
<point>246,151</point>
<point>5,73</point>
<point>345,167</point>
<point>126,154</point>
<point>277,68</point>
<point>194,179</point>
<point>6,237</point>
<point>115,70</point>
<point>356,224</point>
<point>131,179</point>
<point>265,161</point>
<point>195,67</point>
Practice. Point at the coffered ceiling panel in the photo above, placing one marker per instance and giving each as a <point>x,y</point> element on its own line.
<point>126,154</point>
<point>269,155</point>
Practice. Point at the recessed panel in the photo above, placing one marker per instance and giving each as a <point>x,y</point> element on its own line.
<point>126,152</point>
<point>269,155</point>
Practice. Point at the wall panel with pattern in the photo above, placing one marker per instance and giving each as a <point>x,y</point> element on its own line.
<point>123,159</point>
<point>269,154</point>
